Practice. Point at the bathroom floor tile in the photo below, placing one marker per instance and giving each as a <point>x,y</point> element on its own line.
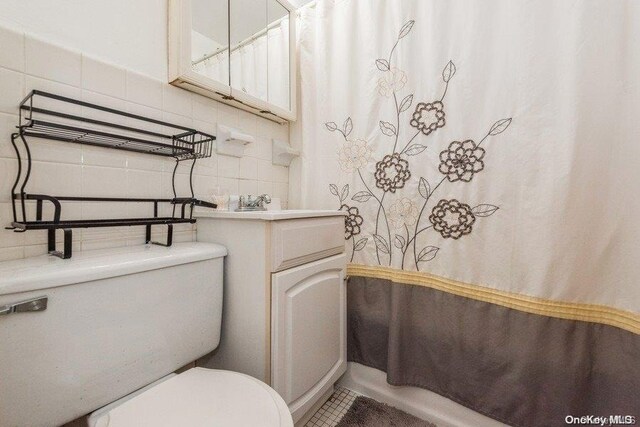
<point>333,409</point>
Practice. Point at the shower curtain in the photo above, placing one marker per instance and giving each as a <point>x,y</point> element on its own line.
<point>486,154</point>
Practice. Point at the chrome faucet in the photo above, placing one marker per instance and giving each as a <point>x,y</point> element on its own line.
<point>253,203</point>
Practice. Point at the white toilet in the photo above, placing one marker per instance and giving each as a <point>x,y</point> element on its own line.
<point>198,397</point>
<point>107,328</point>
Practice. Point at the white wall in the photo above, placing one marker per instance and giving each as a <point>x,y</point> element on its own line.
<point>65,169</point>
<point>128,33</point>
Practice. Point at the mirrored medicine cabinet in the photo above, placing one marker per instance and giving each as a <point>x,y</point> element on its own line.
<point>240,52</point>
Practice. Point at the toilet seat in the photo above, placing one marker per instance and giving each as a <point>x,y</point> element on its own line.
<point>202,397</point>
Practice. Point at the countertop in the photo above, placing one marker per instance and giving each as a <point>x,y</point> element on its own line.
<point>266,215</point>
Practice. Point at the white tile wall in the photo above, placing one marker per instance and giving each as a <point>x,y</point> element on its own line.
<point>11,88</point>
<point>61,168</point>
<point>12,52</point>
<point>249,168</point>
<point>103,78</point>
<point>143,90</point>
<point>52,62</point>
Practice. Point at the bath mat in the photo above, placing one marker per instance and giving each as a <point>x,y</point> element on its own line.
<point>366,412</point>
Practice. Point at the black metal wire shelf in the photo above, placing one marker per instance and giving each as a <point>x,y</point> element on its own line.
<point>92,223</point>
<point>55,131</point>
<point>166,139</point>
<point>176,141</point>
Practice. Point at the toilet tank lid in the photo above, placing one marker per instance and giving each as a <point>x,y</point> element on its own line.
<point>43,272</point>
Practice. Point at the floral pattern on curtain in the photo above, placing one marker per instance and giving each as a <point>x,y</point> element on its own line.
<point>397,225</point>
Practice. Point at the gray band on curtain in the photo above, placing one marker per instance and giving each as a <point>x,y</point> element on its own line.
<point>519,368</point>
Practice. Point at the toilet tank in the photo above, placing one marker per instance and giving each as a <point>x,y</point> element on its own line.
<point>116,320</point>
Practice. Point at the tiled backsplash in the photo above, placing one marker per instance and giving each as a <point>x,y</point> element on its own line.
<point>65,169</point>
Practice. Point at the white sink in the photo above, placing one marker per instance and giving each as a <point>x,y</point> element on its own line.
<point>266,215</point>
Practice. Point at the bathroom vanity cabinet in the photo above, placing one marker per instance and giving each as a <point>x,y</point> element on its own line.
<point>284,308</point>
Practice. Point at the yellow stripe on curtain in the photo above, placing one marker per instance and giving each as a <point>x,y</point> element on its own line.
<point>559,309</point>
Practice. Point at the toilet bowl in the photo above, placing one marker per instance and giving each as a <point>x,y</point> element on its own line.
<point>199,397</point>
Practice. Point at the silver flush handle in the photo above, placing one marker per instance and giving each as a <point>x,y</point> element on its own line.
<point>35,304</point>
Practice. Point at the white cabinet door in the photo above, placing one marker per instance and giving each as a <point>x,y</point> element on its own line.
<point>308,331</point>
